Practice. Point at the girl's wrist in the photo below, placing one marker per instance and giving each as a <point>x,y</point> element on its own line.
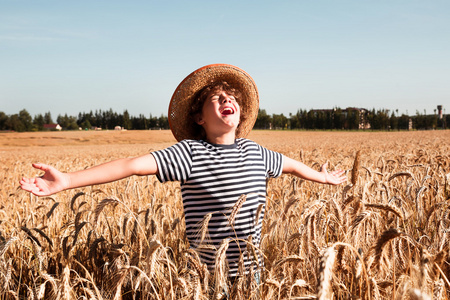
<point>325,178</point>
<point>67,181</point>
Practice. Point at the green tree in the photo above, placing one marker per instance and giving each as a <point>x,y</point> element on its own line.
<point>352,119</point>
<point>152,122</point>
<point>140,122</point>
<point>66,122</point>
<point>296,120</point>
<point>38,122</point>
<point>393,122</point>
<point>85,124</point>
<point>263,120</point>
<point>26,120</point>
<point>403,122</point>
<point>163,122</point>
<point>48,118</point>
<point>3,120</point>
<point>63,121</point>
<point>338,118</point>
<point>126,123</point>
<point>73,123</point>
<point>14,123</point>
<point>280,121</point>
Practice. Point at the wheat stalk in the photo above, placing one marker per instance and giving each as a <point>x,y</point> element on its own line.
<point>385,207</point>
<point>204,227</point>
<point>288,205</point>
<point>374,291</point>
<point>356,167</point>
<point>31,236</point>
<point>122,273</point>
<point>98,209</point>
<point>407,174</point>
<point>325,274</point>
<point>438,289</point>
<point>258,214</point>
<point>220,269</point>
<point>289,259</point>
<point>77,231</point>
<point>74,198</point>
<point>385,237</point>
<point>194,259</point>
<point>4,245</point>
<point>65,291</point>
<point>447,186</point>
<point>236,207</point>
<point>7,276</point>
<point>52,209</point>
<point>152,254</point>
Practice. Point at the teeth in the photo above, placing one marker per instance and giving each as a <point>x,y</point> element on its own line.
<point>227,110</point>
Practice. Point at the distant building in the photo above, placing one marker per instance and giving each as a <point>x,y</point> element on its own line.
<point>52,127</point>
<point>439,107</point>
<point>363,122</point>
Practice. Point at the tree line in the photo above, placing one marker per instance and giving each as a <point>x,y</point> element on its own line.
<point>350,119</point>
<point>328,119</point>
<point>107,119</point>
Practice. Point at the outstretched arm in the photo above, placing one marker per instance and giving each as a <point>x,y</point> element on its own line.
<point>53,181</point>
<point>301,170</point>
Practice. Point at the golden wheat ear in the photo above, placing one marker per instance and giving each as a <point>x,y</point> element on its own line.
<point>356,167</point>
<point>236,207</point>
<point>220,270</point>
<point>385,237</point>
<point>325,273</point>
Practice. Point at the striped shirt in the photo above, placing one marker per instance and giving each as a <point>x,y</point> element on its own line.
<point>212,179</point>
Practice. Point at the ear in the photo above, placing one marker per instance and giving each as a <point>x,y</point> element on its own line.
<point>198,119</point>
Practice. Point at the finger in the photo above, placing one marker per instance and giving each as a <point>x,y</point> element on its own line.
<point>40,166</point>
<point>337,173</point>
<point>34,189</point>
<point>28,181</point>
<point>24,180</point>
<point>343,178</point>
<point>339,178</point>
<point>25,186</point>
<point>28,187</point>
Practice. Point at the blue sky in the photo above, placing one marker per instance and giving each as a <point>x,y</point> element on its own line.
<point>75,56</point>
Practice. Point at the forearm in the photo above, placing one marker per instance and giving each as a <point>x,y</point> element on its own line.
<point>112,171</point>
<point>103,173</point>
<point>301,170</point>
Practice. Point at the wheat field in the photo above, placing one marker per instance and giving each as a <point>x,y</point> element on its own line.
<point>382,235</point>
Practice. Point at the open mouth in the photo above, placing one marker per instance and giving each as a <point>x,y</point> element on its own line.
<point>227,111</point>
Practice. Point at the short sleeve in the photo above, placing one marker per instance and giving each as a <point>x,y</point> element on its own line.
<point>174,163</point>
<point>273,162</point>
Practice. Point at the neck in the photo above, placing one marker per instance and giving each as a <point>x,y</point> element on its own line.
<point>224,139</point>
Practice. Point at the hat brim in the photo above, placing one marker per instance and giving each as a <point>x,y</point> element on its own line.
<point>180,105</point>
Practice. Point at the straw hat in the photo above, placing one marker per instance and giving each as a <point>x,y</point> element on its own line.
<point>181,122</point>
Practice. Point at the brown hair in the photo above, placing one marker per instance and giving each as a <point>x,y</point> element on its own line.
<point>199,101</point>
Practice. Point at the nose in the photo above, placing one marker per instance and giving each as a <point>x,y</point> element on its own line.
<point>225,98</point>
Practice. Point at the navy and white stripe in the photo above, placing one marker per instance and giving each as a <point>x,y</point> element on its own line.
<point>212,178</point>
